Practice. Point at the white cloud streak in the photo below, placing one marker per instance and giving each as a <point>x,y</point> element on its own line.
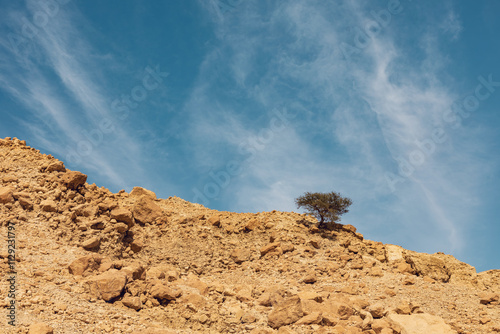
<point>61,88</point>
<point>367,112</point>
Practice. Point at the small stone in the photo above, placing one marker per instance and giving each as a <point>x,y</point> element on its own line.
<point>40,328</point>
<point>420,323</point>
<point>377,272</point>
<point>377,310</point>
<point>81,265</point>
<point>136,246</point>
<point>214,221</point>
<point>121,227</point>
<point>48,206</point>
<point>410,280</point>
<point>403,308</point>
<point>57,166</point>
<point>138,192</point>
<point>132,302</point>
<point>248,318</point>
<point>312,318</point>
<point>378,325</point>
<point>268,248</point>
<point>240,255</point>
<point>93,242</point>
<point>252,225</point>
<point>310,278</point>
<point>349,228</point>
<point>6,195</point>
<point>26,203</point>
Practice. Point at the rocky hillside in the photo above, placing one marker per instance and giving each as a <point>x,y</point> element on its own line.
<point>77,258</point>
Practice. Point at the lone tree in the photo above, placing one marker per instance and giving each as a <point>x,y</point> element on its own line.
<point>326,207</point>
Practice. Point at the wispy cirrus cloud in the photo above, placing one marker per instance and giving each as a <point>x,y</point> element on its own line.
<point>55,73</point>
<point>367,113</point>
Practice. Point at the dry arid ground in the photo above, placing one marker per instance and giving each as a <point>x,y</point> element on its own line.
<point>91,261</point>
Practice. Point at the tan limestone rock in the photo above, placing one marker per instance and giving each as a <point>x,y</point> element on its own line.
<point>108,285</point>
<point>48,205</point>
<point>488,298</point>
<point>40,328</point>
<point>6,195</point>
<point>122,215</point>
<point>132,302</point>
<point>240,255</point>
<point>286,313</point>
<point>164,292</point>
<point>145,210</point>
<point>139,191</point>
<point>56,166</point>
<point>73,179</point>
<point>421,323</point>
<point>84,264</point>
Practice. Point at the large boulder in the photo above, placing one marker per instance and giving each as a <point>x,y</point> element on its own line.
<point>73,179</point>
<point>286,312</point>
<point>139,191</point>
<point>108,285</point>
<point>85,264</point>
<point>145,210</point>
<point>420,323</point>
<point>122,215</point>
<point>394,253</point>
<point>56,166</point>
<point>164,293</point>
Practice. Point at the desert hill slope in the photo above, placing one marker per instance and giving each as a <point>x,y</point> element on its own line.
<point>90,261</point>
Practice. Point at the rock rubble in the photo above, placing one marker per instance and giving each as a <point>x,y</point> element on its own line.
<point>89,260</point>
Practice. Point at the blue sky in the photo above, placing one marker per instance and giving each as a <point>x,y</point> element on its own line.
<point>244,105</point>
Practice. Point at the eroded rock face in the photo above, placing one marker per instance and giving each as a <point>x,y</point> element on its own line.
<point>441,267</point>
<point>421,324</point>
<point>429,265</point>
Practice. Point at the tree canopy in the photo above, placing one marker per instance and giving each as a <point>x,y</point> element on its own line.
<point>326,207</point>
